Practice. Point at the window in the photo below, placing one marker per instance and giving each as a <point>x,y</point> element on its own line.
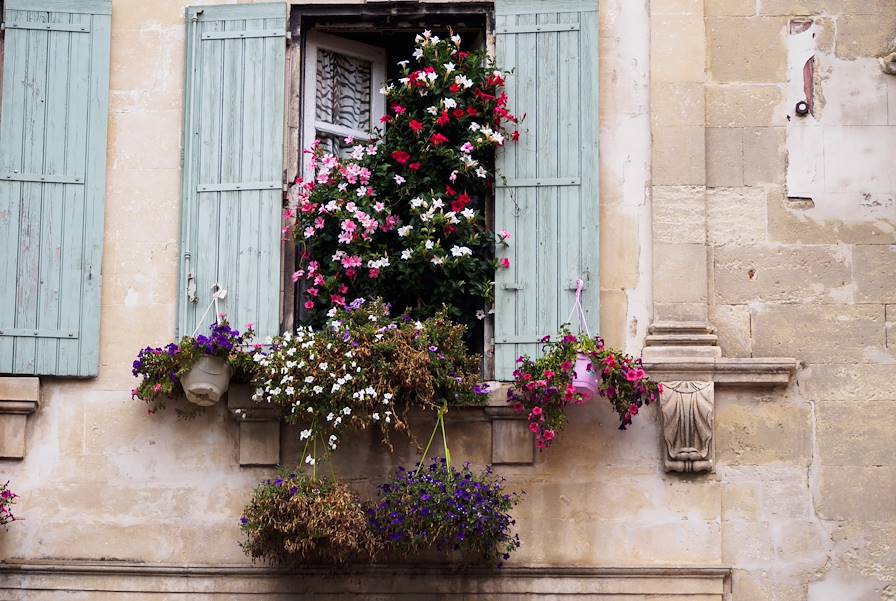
<point>547,197</point>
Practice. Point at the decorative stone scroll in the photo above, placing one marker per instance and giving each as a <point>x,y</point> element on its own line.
<point>687,410</point>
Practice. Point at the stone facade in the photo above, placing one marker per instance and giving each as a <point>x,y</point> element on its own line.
<point>701,224</point>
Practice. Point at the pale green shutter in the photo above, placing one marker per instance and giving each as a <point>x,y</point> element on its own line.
<point>549,200</point>
<point>233,164</point>
<point>52,183</point>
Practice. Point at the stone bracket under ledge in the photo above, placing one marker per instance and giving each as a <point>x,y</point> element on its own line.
<point>19,398</point>
<point>686,359</point>
<point>259,436</point>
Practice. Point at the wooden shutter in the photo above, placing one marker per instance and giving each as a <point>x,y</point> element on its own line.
<point>549,200</point>
<point>52,182</point>
<point>233,164</point>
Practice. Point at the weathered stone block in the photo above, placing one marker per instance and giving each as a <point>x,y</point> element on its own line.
<point>798,221</point>
<point>679,273</point>
<point>740,105</point>
<point>724,157</point>
<point>679,155</point>
<point>855,433</point>
<point>680,311</point>
<point>677,103</point>
<point>819,333</point>
<point>619,247</point>
<point>874,270</point>
<point>747,49</point>
<point>12,435</point>
<point>259,443</point>
<point>732,323</point>
<point>512,442</point>
<point>749,433</point>
<point>660,7</point>
<point>674,42</point>
<point>736,216</point>
<point>802,274</point>
<point>679,214</point>
<point>865,382</point>
<point>862,494</point>
<point>730,8</point>
<point>764,158</point>
<point>812,7</point>
<point>867,35</point>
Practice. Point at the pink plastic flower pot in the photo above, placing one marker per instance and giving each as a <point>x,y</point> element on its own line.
<point>584,381</point>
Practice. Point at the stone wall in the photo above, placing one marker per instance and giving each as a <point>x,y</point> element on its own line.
<point>784,241</point>
<point>696,154</point>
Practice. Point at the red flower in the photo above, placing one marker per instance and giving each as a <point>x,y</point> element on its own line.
<point>438,139</point>
<point>385,119</point>
<point>401,156</point>
<point>454,88</point>
<point>397,108</point>
<point>505,263</point>
<point>449,229</point>
<point>414,166</point>
<point>471,111</point>
<point>461,203</point>
<point>458,113</point>
<point>462,55</point>
<point>449,191</point>
<point>516,136</point>
<point>416,126</point>
<point>443,118</point>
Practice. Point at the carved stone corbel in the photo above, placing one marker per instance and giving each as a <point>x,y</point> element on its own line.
<point>687,410</point>
<point>19,398</point>
<point>259,427</point>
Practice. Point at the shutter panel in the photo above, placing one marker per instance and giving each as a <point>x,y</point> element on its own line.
<point>549,200</point>
<point>233,164</point>
<point>52,184</point>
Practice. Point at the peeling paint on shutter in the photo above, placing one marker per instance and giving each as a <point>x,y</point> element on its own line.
<point>549,200</point>
<point>233,164</point>
<point>53,125</point>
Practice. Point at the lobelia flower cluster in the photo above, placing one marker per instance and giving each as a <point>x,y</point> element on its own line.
<point>365,368</point>
<point>438,507</point>
<point>543,387</point>
<point>7,500</point>
<point>160,368</point>
<point>401,217</point>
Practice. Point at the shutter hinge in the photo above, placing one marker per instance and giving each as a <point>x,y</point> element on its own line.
<point>181,157</point>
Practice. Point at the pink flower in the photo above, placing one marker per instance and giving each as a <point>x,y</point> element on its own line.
<point>296,276</point>
<point>505,263</point>
<point>548,435</point>
<point>467,148</point>
<point>348,262</point>
<point>374,273</point>
<point>518,407</point>
<point>505,235</point>
<point>349,226</point>
<point>536,411</point>
<point>309,305</point>
<point>533,427</point>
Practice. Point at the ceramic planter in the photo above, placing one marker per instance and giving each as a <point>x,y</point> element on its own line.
<point>585,380</point>
<point>207,381</point>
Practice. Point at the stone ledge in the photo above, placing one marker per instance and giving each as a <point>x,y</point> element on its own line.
<point>361,581</point>
<point>750,371</point>
<point>19,398</point>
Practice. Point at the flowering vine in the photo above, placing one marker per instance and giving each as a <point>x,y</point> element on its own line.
<point>401,217</point>
<point>7,500</point>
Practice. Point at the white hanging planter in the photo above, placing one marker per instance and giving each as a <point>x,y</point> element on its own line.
<point>207,382</point>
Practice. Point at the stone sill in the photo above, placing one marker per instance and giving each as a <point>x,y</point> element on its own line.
<point>383,580</point>
<point>749,371</point>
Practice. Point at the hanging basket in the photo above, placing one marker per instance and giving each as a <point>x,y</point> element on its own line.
<point>585,379</point>
<point>207,381</point>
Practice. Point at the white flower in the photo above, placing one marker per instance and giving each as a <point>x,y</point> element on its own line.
<point>417,202</point>
<point>418,53</point>
<point>449,67</point>
<point>290,390</point>
<point>304,434</point>
<point>463,80</point>
<point>403,63</point>
<point>449,103</point>
<point>432,110</point>
<point>429,245</point>
<point>330,416</point>
<point>399,180</point>
<point>309,379</point>
<point>337,421</point>
<point>375,416</point>
<point>388,396</point>
<point>468,213</point>
<point>475,126</point>
<point>481,172</point>
<point>309,460</point>
<point>418,325</point>
<point>480,314</point>
<point>456,39</point>
<point>404,230</point>
<point>437,260</point>
<point>347,411</point>
<point>461,251</point>
<point>386,89</point>
<point>406,254</point>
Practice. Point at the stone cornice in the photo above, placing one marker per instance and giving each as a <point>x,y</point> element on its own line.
<point>750,371</point>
